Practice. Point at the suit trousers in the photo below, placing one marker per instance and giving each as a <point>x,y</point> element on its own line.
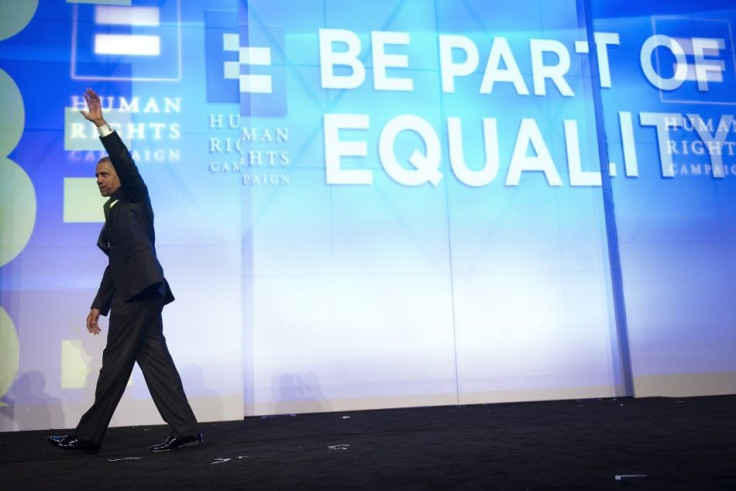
<point>135,334</point>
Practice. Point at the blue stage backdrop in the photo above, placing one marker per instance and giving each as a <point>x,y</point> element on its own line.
<point>377,204</point>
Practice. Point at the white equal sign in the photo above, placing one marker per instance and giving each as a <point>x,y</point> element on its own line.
<point>709,70</point>
<point>127,44</point>
<point>254,84</point>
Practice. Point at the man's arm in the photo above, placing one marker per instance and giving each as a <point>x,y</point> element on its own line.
<point>130,179</point>
<point>132,183</point>
<point>103,299</point>
<point>102,302</point>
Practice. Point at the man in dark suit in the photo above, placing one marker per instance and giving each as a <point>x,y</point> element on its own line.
<point>134,291</point>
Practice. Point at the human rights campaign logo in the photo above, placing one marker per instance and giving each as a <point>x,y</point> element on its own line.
<point>694,60</point>
<point>245,64</point>
<point>140,41</point>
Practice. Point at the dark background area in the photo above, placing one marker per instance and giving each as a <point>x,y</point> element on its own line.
<point>651,443</point>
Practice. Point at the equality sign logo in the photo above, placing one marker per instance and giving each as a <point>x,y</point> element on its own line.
<point>136,42</point>
<point>245,65</point>
<point>691,60</point>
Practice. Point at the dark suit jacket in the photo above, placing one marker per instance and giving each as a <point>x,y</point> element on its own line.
<point>128,237</point>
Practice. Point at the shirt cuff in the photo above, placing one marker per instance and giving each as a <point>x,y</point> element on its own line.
<point>105,130</point>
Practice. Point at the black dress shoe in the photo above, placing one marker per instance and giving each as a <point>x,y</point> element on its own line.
<point>72,442</point>
<point>174,443</point>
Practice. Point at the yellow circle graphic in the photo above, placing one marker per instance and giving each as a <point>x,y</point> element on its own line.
<point>17,194</point>
<point>17,210</point>
<point>15,15</point>
<point>9,353</point>
<point>12,116</point>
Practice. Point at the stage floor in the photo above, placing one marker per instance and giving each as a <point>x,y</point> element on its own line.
<point>652,443</point>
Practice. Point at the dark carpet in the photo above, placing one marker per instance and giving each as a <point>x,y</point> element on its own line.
<point>654,443</point>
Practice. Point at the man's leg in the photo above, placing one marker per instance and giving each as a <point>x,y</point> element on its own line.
<point>164,382</point>
<point>124,336</point>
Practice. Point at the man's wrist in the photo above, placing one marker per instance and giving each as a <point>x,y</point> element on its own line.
<point>104,130</point>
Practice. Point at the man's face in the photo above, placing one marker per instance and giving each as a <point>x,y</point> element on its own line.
<point>107,179</point>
